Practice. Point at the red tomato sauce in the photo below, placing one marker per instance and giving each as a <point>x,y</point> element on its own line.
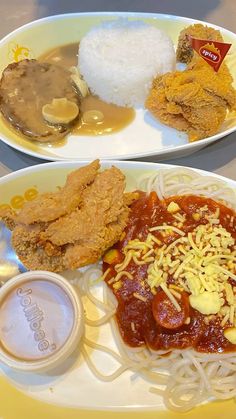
<point>135,318</point>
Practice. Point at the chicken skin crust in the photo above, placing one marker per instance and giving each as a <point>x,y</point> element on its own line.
<point>195,100</point>
<point>74,226</point>
<point>185,52</point>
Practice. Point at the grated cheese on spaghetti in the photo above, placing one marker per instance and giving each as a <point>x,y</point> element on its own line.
<point>200,262</point>
<point>168,227</point>
<point>170,296</point>
<point>201,266</point>
<point>140,297</point>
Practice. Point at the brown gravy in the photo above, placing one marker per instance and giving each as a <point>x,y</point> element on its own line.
<point>115,117</point>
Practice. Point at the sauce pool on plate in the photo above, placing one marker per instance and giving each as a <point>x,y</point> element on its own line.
<point>114,118</point>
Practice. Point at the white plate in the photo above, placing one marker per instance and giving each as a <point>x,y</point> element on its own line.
<point>145,136</point>
<point>73,385</point>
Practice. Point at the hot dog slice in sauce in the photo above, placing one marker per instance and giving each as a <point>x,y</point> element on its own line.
<point>166,314</point>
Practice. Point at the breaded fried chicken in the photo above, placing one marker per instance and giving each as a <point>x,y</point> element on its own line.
<point>75,226</point>
<point>185,52</point>
<point>195,100</point>
<point>50,206</point>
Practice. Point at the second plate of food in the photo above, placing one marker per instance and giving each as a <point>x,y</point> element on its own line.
<point>165,287</point>
<point>89,93</point>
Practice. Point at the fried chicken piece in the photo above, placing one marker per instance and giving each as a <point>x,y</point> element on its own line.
<point>50,206</point>
<point>26,243</point>
<point>96,225</point>
<point>195,100</point>
<point>92,216</point>
<point>8,216</point>
<point>102,202</point>
<point>101,240</point>
<point>185,52</point>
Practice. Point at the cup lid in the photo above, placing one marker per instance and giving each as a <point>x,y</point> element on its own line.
<point>41,320</point>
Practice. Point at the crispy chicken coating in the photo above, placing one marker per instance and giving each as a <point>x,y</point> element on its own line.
<point>185,52</point>
<point>195,100</point>
<point>74,226</point>
<point>50,206</point>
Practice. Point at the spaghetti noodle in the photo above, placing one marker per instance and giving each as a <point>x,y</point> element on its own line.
<point>184,377</point>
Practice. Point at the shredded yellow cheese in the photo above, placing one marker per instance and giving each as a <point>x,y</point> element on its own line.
<point>179,217</point>
<point>201,262</point>
<point>119,276</point>
<point>101,278</point>
<point>175,293</point>
<point>140,297</point>
<point>121,266</point>
<point>170,296</point>
<point>167,227</point>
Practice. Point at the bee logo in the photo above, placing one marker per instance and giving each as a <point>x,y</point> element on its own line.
<point>18,52</point>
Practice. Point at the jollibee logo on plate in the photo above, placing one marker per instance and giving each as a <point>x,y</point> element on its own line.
<point>17,52</point>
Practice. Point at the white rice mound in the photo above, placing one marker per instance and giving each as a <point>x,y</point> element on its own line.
<point>119,59</point>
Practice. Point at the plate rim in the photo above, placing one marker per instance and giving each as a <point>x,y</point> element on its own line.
<point>189,147</point>
<point>121,164</point>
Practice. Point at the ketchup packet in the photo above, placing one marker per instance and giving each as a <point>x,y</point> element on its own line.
<point>213,52</point>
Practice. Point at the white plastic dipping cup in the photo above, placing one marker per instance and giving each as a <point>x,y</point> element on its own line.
<point>41,321</point>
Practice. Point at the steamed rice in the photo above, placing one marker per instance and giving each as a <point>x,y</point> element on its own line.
<point>119,60</point>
